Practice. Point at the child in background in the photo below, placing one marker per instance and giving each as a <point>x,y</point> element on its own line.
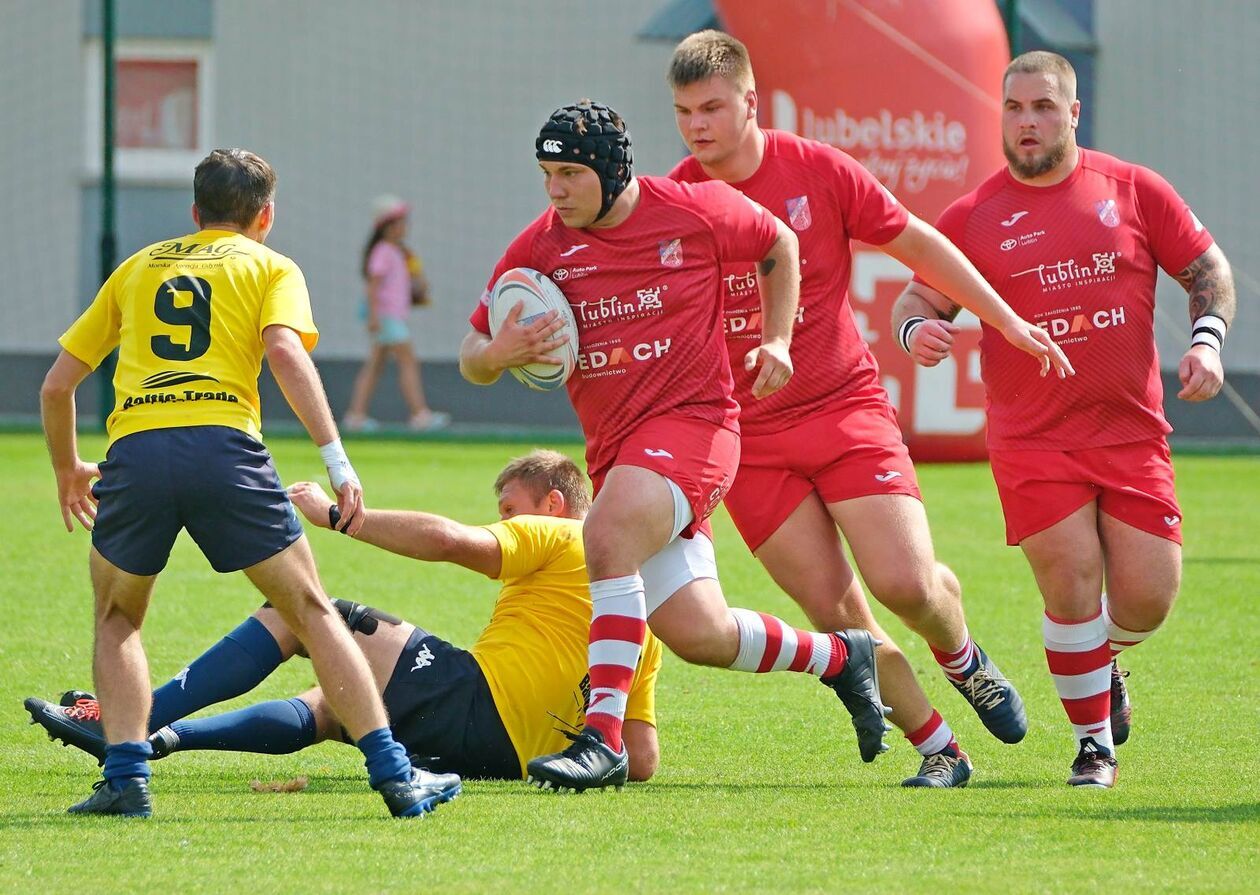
<point>395,281</point>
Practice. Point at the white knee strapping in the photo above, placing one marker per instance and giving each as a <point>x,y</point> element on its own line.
<point>680,562</point>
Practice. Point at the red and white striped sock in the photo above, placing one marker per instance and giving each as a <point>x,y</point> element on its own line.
<point>618,626</point>
<point>934,736</point>
<point>769,644</point>
<point>958,664</point>
<point>1080,664</point>
<point>1121,639</point>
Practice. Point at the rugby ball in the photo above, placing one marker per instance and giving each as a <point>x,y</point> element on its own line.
<point>540,295</point>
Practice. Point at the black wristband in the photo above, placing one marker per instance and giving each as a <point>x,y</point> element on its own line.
<point>906,329</point>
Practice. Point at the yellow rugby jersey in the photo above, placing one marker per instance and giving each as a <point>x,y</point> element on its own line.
<point>533,651</point>
<point>187,316</point>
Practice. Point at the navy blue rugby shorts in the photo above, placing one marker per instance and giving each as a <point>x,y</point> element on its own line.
<point>215,481</point>
<point>442,711</point>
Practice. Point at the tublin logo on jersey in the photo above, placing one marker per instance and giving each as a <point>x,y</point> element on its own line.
<point>167,378</point>
<point>671,252</point>
<point>740,284</point>
<point>1069,273</point>
<point>1013,219</point>
<point>798,213</point>
<point>1107,212</point>
<point>596,312</point>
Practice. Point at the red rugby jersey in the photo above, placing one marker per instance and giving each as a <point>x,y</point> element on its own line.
<point>1078,259</point>
<point>828,198</point>
<point>646,295</point>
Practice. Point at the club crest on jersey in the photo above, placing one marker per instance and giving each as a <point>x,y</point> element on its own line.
<point>798,213</point>
<point>671,252</point>
<point>1107,212</point>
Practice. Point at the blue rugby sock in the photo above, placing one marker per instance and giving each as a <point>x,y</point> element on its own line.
<point>385,758</point>
<point>275,728</point>
<point>236,664</point>
<point>126,760</point>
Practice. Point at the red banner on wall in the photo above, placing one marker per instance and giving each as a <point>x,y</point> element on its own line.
<point>912,90</point>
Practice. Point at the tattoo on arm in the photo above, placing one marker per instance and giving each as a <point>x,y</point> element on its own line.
<point>765,266</point>
<point>950,311</point>
<point>1210,283</point>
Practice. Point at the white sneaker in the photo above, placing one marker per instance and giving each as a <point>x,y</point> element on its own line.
<point>359,424</point>
<point>429,421</point>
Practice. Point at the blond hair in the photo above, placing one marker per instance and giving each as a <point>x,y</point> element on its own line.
<point>543,471</point>
<point>1037,62</point>
<point>708,53</point>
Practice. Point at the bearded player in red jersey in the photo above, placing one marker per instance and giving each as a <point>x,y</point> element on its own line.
<point>828,444</point>
<point>639,260</point>
<point>1074,238</point>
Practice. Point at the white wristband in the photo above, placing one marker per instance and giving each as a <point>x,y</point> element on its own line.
<point>1209,330</point>
<point>337,463</point>
<point>906,329</point>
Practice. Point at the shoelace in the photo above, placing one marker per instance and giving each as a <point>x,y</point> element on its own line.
<point>983,690</point>
<point>84,710</point>
<point>581,742</point>
<point>937,765</point>
<point>1090,760</point>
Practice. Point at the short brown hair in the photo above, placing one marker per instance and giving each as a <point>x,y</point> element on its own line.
<point>543,471</point>
<point>1037,62</point>
<point>231,186</point>
<point>707,53</point>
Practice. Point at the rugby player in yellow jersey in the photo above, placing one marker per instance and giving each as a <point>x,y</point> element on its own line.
<point>192,318</point>
<point>479,713</point>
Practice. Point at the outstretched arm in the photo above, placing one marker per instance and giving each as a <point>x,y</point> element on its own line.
<point>423,536</point>
<point>297,377</point>
<point>923,249</point>
<point>1210,284</point>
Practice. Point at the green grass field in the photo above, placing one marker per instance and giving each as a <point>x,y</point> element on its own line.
<point>760,787</point>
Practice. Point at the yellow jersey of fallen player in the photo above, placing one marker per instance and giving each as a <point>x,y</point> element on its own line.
<point>533,651</point>
<point>187,316</point>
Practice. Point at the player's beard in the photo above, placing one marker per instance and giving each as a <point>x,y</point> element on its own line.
<point>1037,165</point>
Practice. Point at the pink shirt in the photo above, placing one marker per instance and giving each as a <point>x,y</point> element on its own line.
<point>393,296</point>
<point>1079,259</point>
<point>647,297</point>
<point>828,198</point>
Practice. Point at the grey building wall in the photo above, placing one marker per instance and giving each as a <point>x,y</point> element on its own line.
<point>1177,87</point>
<point>41,148</point>
<point>436,102</point>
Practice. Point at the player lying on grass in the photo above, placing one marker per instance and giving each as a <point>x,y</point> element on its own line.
<point>482,712</point>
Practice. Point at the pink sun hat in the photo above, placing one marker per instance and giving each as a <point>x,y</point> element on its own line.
<point>387,208</point>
